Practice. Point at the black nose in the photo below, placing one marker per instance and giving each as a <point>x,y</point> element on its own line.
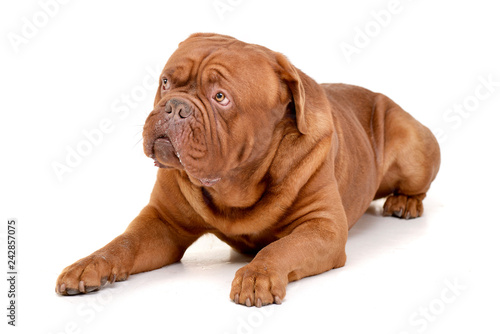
<point>178,108</point>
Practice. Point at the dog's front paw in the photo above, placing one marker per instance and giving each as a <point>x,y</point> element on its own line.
<point>255,285</point>
<point>90,274</point>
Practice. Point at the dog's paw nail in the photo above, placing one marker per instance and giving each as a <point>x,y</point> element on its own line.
<point>248,302</point>
<point>113,279</point>
<point>81,286</point>
<point>72,292</point>
<point>104,280</point>
<point>398,214</point>
<point>258,303</point>
<point>408,215</point>
<point>277,300</point>
<point>237,298</point>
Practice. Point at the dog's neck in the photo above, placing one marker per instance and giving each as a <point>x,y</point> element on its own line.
<point>244,187</point>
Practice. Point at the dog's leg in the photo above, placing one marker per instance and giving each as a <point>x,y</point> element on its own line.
<point>148,243</point>
<point>313,247</point>
<point>412,160</point>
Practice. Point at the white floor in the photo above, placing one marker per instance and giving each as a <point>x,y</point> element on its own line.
<point>436,274</point>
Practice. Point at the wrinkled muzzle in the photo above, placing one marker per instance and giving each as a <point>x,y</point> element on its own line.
<point>175,137</point>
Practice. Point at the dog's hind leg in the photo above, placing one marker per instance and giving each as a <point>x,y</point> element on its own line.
<point>411,162</point>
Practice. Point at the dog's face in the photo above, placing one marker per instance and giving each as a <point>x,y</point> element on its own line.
<point>218,103</point>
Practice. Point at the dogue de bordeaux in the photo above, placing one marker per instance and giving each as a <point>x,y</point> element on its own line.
<point>254,151</point>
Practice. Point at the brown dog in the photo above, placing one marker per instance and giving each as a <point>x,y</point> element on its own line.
<point>256,152</point>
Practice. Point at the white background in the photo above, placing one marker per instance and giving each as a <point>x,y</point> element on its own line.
<point>86,59</point>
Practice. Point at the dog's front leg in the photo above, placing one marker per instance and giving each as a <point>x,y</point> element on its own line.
<point>313,247</point>
<point>148,243</point>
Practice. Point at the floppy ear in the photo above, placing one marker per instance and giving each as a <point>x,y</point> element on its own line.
<point>291,77</point>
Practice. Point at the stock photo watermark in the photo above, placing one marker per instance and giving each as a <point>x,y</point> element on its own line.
<point>90,139</point>
<point>453,117</point>
<point>222,7</point>
<point>430,312</point>
<point>12,274</point>
<point>31,26</point>
<point>253,320</point>
<point>88,311</point>
<point>256,317</point>
<point>367,32</point>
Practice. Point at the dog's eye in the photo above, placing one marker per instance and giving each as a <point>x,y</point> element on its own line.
<point>166,84</point>
<point>221,98</point>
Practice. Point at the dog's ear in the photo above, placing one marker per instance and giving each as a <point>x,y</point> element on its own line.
<point>290,75</point>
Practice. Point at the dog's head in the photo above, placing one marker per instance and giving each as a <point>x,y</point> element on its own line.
<point>218,104</point>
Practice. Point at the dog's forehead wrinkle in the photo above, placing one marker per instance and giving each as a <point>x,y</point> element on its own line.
<point>216,73</point>
<point>179,70</point>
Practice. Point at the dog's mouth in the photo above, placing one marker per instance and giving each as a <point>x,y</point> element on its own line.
<point>165,155</point>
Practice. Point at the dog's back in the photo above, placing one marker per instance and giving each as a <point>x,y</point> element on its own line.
<point>403,154</point>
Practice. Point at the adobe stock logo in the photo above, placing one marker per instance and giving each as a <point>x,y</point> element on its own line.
<point>31,26</point>
<point>427,314</point>
<point>223,6</point>
<point>88,310</point>
<point>363,36</point>
<point>121,108</point>
<point>454,116</point>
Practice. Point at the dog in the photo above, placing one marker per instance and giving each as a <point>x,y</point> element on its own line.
<point>254,151</point>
